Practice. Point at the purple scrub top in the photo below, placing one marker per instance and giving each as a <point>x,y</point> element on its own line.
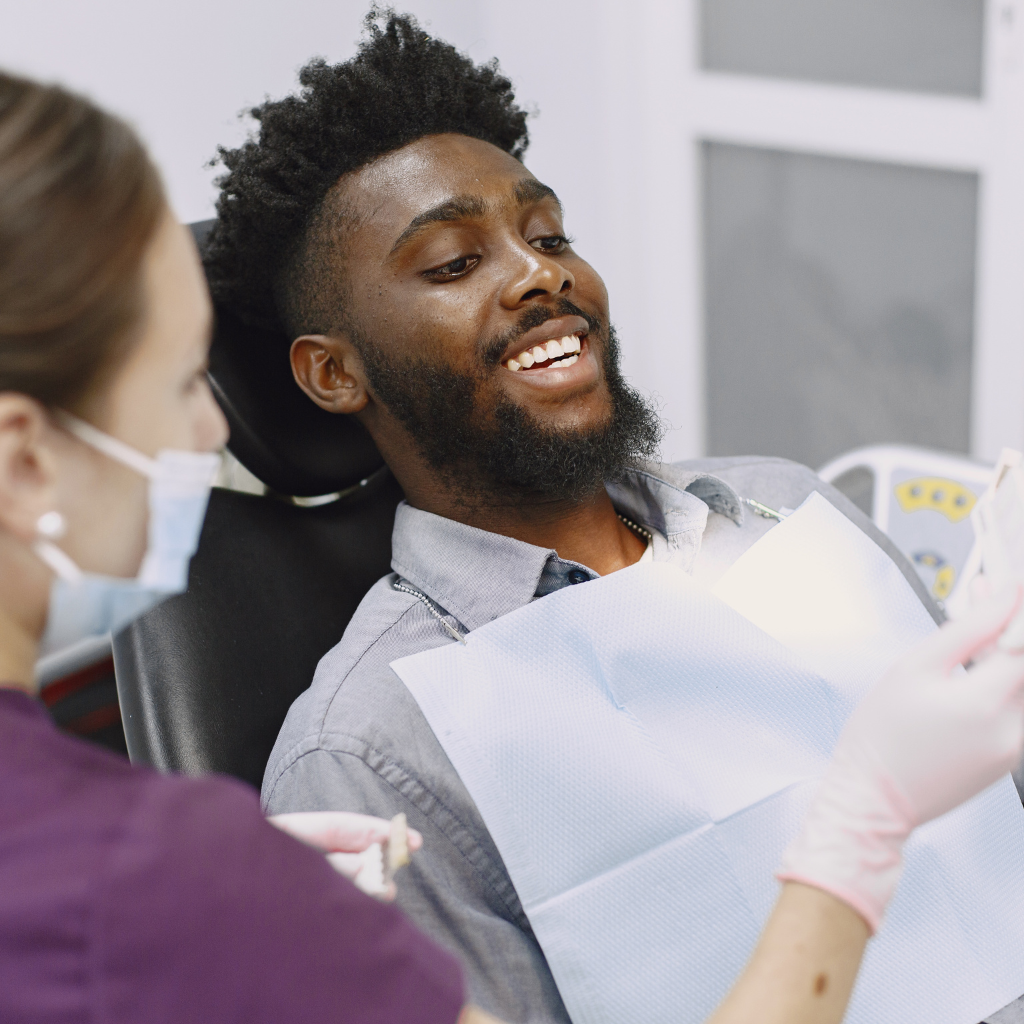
<point>126,895</point>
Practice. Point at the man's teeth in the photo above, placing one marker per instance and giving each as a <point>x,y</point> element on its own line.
<point>551,350</point>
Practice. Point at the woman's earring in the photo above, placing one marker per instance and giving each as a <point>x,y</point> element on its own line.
<point>51,525</point>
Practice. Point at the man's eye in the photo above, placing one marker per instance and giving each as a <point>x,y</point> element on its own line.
<point>456,268</point>
<point>553,244</point>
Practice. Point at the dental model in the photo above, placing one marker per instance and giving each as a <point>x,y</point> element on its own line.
<point>382,860</point>
<point>563,352</point>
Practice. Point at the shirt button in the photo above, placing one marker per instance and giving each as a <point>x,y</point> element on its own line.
<point>577,576</point>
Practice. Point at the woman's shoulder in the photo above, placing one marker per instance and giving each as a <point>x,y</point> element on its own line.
<point>73,813</point>
<point>176,893</point>
<point>206,905</point>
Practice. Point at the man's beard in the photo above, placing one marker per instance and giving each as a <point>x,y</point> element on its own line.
<point>501,454</point>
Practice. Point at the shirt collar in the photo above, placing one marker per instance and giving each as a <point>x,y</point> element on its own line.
<point>660,497</point>
<point>479,576</point>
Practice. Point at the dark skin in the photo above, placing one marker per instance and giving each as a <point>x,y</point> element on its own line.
<point>488,244</point>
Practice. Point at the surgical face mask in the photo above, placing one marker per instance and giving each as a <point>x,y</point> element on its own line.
<point>84,604</point>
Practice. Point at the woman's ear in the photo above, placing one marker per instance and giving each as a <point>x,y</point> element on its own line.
<point>328,368</point>
<point>28,465</point>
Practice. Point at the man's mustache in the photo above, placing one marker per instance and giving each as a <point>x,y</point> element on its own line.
<point>534,317</point>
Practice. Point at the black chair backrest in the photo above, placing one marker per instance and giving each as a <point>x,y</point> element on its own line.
<point>292,445</point>
<point>205,679</point>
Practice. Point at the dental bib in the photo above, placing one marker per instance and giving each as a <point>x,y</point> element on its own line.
<point>642,751</point>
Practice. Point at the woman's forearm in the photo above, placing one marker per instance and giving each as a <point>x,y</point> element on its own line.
<point>802,971</point>
<point>924,739</point>
<point>804,966</point>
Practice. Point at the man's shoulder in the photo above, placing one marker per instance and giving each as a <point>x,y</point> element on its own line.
<point>772,481</point>
<point>784,484</point>
<point>764,478</point>
<point>356,702</point>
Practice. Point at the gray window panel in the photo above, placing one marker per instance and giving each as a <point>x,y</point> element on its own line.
<point>916,45</point>
<point>839,301</point>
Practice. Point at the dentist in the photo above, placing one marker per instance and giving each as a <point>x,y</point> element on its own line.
<point>127,896</point>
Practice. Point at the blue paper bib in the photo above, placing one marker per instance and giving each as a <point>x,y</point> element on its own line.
<point>643,750</point>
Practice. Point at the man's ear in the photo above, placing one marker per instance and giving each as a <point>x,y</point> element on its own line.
<point>328,368</point>
<point>28,465</point>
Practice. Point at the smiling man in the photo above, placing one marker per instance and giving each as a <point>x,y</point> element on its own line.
<point>384,221</point>
<point>482,362</point>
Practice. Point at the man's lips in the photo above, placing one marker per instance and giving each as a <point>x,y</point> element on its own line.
<point>553,340</point>
<point>579,369</point>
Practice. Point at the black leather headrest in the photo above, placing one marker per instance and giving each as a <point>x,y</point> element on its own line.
<point>277,432</point>
<point>206,678</point>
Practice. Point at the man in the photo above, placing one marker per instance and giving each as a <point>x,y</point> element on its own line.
<point>382,219</point>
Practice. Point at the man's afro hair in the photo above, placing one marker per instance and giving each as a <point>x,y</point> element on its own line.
<point>400,86</point>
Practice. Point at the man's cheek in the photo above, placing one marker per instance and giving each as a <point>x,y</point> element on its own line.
<point>431,337</point>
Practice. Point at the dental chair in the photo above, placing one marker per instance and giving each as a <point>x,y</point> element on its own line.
<point>922,499</point>
<point>205,679</point>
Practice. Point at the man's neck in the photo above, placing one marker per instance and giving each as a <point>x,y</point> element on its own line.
<point>588,531</point>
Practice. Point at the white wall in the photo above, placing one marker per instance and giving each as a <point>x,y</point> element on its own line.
<point>622,106</point>
<point>182,71</point>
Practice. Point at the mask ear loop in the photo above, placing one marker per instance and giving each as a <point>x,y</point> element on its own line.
<point>107,445</point>
<point>52,526</point>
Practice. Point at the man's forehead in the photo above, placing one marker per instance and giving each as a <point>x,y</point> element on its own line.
<point>467,174</point>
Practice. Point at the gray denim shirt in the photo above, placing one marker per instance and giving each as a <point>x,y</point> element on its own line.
<point>356,740</point>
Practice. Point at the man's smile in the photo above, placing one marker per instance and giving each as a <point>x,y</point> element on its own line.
<point>556,354</point>
<point>560,352</point>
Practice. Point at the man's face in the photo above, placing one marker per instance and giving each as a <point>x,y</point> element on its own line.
<point>480,329</point>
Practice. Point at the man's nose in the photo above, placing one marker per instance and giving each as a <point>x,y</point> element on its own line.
<point>535,275</point>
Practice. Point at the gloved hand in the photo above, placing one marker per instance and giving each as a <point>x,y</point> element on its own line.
<point>926,738</point>
<point>345,837</point>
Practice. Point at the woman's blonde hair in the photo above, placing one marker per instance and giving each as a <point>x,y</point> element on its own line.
<point>79,202</point>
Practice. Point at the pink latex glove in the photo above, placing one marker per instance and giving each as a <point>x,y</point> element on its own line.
<point>343,836</point>
<point>926,738</point>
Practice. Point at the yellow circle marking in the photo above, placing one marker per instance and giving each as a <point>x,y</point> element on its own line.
<point>949,497</point>
<point>944,580</point>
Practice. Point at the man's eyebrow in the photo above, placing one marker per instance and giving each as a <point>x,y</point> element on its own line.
<point>456,208</point>
<point>530,190</point>
<point>526,190</point>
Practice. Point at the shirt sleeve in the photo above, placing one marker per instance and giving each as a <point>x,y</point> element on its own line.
<point>453,889</point>
<point>208,913</point>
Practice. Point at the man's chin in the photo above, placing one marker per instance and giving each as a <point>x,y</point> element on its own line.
<point>491,439</point>
<point>520,456</point>
<point>578,414</point>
